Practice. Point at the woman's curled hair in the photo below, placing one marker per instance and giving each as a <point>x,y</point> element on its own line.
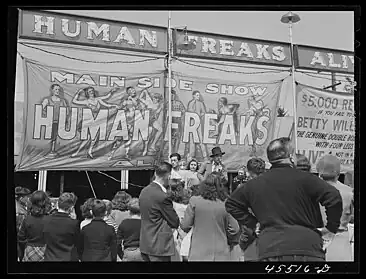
<point>86,208</point>
<point>120,200</point>
<point>212,188</point>
<point>176,191</point>
<point>39,203</point>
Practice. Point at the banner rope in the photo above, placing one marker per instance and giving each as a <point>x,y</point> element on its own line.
<point>91,61</point>
<point>229,71</point>
<point>120,180</point>
<point>67,47</point>
<point>325,74</point>
<point>235,64</point>
<point>21,56</point>
<point>325,78</point>
<point>91,185</point>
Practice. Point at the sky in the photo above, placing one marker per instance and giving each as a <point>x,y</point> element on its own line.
<point>328,29</point>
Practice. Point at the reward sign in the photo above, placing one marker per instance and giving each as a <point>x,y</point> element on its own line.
<point>325,124</point>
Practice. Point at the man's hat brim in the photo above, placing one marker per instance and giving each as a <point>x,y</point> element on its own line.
<point>221,153</point>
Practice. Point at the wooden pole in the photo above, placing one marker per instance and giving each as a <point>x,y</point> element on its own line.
<point>124,179</point>
<point>333,81</point>
<point>62,182</point>
<point>42,180</point>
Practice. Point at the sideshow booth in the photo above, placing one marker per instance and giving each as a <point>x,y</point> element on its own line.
<point>98,102</point>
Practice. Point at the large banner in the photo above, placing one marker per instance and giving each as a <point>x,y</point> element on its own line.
<point>78,120</point>
<point>237,116</point>
<point>85,120</point>
<point>325,124</point>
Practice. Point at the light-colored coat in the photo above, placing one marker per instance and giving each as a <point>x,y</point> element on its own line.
<point>212,226</point>
<point>206,169</point>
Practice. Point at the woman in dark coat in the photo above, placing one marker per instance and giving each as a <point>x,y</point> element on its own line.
<point>30,235</point>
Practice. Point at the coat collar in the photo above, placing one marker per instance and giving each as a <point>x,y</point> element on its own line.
<point>61,214</point>
<point>160,186</point>
<point>98,219</point>
<point>281,165</point>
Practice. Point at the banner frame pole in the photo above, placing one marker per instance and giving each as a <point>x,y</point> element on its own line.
<point>169,85</point>
<point>124,179</point>
<point>293,86</point>
<point>42,180</point>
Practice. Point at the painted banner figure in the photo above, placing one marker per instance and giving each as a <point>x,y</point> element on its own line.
<point>154,102</point>
<point>129,103</point>
<point>93,102</point>
<point>177,133</point>
<point>197,106</point>
<point>224,108</point>
<point>257,109</point>
<point>57,100</point>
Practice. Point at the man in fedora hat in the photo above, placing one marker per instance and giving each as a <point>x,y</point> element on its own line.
<point>214,165</point>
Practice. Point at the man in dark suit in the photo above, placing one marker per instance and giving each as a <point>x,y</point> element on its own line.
<point>214,165</point>
<point>61,232</point>
<point>285,201</point>
<point>98,239</point>
<point>158,218</point>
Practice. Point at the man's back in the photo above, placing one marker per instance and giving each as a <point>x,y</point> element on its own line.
<point>98,241</point>
<point>61,236</point>
<point>158,217</point>
<point>285,201</point>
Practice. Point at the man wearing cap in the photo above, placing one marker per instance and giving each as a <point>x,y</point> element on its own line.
<point>285,202</point>
<point>21,199</point>
<point>214,165</point>
<point>329,169</point>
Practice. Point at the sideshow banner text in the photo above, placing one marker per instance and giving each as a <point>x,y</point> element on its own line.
<point>236,116</point>
<point>90,120</point>
<point>325,124</point>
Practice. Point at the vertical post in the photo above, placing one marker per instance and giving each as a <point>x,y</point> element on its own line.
<point>293,86</point>
<point>333,81</point>
<point>124,179</point>
<point>169,85</point>
<point>62,182</point>
<point>42,180</point>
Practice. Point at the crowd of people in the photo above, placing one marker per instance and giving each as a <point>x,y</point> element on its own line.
<point>187,213</point>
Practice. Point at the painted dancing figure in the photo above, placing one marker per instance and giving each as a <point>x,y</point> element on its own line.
<point>257,109</point>
<point>177,134</point>
<point>154,103</point>
<point>94,102</point>
<point>224,108</point>
<point>129,103</point>
<point>197,106</point>
<point>57,100</point>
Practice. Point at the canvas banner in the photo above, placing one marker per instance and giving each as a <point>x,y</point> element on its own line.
<point>325,125</point>
<point>237,116</point>
<point>90,120</point>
